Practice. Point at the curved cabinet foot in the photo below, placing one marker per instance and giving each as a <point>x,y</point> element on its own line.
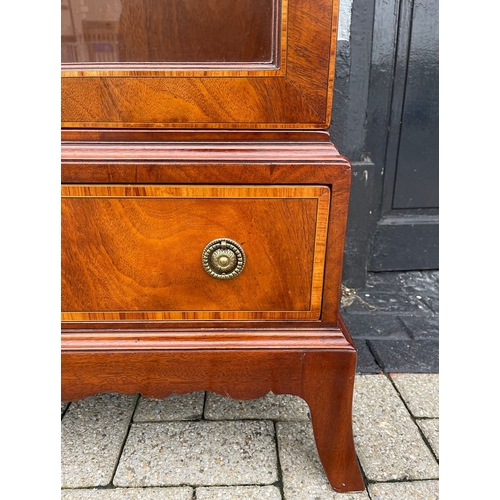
<point>328,383</point>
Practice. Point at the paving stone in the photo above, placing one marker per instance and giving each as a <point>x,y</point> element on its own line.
<point>366,362</point>
<point>418,490</point>
<point>270,407</point>
<point>303,475</point>
<point>184,493</point>
<point>406,356</point>
<point>403,283</point>
<point>92,433</point>
<point>403,280</point>
<point>238,493</point>
<point>430,428</point>
<point>432,301</point>
<point>198,453</point>
<point>421,327</point>
<point>423,283</point>
<point>386,302</point>
<point>388,443</point>
<point>174,407</point>
<point>392,280</point>
<point>420,392</point>
<point>375,326</point>
<point>404,292</point>
<point>434,273</point>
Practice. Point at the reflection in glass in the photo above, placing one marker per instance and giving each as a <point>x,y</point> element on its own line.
<point>168,31</point>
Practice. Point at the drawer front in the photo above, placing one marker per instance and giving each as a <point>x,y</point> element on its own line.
<point>136,252</point>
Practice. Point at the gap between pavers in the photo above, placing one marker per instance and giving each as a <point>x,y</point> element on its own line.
<point>303,475</point>
<point>415,490</point>
<point>388,442</point>
<point>174,407</point>
<point>92,435</point>
<point>420,391</point>
<point>198,453</point>
<point>183,493</point>
<point>238,493</point>
<point>269,407</point>
<point>430,429</point>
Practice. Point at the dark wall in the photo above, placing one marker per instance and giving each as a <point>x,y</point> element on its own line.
<point>385,120</point>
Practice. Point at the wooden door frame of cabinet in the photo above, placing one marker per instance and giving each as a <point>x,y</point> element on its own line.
<point>297,94</point>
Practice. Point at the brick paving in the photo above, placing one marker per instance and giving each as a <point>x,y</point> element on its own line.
<point>394,322</point>
<point>202,446</point>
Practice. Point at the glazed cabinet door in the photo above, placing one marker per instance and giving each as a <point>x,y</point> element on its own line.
<point>197,63</point>
<point>160,252</point>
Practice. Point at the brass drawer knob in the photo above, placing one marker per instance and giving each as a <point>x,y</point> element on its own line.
<point>223,258</point>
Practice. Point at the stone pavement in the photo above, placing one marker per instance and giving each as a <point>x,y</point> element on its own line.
<point>394,322</point>
<point>201,446</point>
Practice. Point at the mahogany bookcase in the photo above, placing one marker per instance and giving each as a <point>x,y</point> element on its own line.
<point>204,207</point>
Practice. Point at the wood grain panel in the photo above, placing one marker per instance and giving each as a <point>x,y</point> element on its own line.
<point>134,252</point>
<point>184,102</point>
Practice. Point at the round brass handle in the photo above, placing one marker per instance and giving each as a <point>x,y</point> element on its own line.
<point>223,258</point>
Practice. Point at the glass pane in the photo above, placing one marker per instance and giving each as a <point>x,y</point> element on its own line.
<point>168,31</point>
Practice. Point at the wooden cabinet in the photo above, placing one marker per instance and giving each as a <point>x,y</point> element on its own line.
<point>203,216</point>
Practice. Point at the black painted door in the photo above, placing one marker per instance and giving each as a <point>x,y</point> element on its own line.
<point>403,134</point>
